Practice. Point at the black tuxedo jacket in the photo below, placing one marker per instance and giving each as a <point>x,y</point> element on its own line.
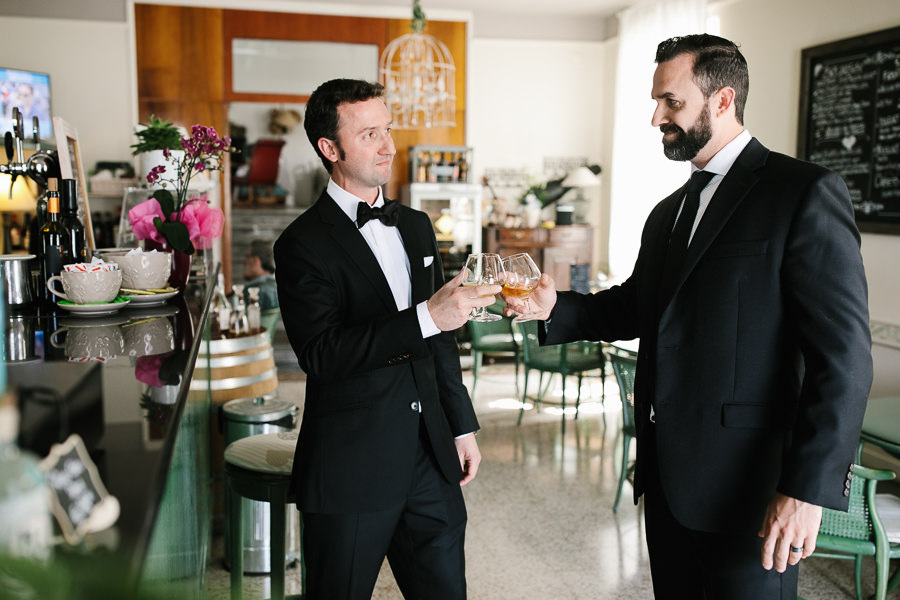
<point>759,366</point>
<point>367,364</point>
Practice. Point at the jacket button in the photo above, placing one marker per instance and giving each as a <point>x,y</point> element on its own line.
<point>414,406</point>
<point>846,492</point>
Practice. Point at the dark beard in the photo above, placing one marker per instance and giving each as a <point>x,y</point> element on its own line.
<point>687,144</point>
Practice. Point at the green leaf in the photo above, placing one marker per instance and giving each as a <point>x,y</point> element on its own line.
<point>166,202</point>
<point>176,235</point>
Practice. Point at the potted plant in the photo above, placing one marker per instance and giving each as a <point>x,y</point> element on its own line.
<point>156,134</point>
<point>154,137</point>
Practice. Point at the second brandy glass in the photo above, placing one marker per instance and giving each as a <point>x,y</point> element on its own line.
<point>483,269</point>
<point>521,276</point>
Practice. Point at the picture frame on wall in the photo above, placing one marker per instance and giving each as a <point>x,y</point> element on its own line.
<point>71,167</point>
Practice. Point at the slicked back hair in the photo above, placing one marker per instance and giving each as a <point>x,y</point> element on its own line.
<point>321,119</point>
<point>717,63</point>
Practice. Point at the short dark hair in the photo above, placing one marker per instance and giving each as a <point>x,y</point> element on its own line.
<point>717,63</point>
<point>321,109</point>
<point>263,250</point>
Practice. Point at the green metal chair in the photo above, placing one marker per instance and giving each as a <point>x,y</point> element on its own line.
<point>623,367</point>
<point>861,532</point>
<point>575,358</point>
<point>493,337</point>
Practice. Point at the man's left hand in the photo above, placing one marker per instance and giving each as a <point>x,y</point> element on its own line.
<point>469,457</point>
<point>789,532</point>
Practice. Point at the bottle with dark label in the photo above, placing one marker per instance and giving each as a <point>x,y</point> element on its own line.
<point>68,210</point>
<point>54,243</point>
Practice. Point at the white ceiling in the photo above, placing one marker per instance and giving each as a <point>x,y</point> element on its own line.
<point>591,20</point>
<point>593,8</point>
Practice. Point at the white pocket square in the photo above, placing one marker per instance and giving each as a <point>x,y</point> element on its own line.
<point>429,260</point>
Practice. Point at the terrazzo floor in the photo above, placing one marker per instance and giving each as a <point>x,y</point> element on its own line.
<point>540,510</point>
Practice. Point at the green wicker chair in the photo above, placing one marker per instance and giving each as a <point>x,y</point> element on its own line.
<point>623,367</point>
<point>861,532</point>
<point>575,358</point>
<point>493,337</point>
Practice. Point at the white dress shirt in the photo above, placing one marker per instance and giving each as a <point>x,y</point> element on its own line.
<point>719,165</point>
<point>387,246</point>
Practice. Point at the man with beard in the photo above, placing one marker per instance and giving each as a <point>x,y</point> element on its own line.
<point>749,299</point>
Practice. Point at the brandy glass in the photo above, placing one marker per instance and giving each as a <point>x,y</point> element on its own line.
<point>483,269</point>
<point>520,277</point>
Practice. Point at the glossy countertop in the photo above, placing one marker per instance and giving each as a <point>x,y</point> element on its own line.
<point>121,382</point>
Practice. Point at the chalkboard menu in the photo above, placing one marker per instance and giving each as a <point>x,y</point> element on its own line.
<point>850,121</point>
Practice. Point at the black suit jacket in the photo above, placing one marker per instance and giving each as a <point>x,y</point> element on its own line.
<point>759,366</point>
<point>366,363</point>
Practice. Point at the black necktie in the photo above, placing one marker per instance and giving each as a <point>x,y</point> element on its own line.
<point>678,241</point>
<point>387,214</point>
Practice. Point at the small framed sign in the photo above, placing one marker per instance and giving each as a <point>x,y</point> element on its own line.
<point>71,167</point>
<point>78,498</point>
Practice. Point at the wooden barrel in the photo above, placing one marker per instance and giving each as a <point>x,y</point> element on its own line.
<point>241,367</point>
<point>237,368</point>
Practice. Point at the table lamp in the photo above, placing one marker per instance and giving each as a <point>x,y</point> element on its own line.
<point>580,178</point>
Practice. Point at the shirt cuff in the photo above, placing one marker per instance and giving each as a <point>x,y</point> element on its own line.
<point>464,435</point>
<point>426,323</point>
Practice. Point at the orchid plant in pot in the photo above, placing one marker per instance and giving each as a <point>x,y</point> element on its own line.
<point>173,217</point>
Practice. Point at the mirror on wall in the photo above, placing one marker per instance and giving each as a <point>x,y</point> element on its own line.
<point>261,66</point>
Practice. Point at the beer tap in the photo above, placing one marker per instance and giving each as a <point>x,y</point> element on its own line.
<point>13,143</point>
<point>40,166</point>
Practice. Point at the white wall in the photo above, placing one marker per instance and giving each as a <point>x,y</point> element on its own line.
<point>772,34</point>
<point>90,77</point>
<point>531,99</point>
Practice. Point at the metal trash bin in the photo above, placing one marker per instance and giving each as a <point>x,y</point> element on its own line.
<point>243,418</point>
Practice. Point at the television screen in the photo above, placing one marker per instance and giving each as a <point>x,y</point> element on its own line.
<point>30,92</point>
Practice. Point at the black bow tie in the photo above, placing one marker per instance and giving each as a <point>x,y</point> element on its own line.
<point>387,214</point>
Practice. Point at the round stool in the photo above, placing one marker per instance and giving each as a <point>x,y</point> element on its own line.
<point>259,468</point>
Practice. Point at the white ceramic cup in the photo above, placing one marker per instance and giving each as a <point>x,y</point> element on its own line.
<point>149,336</point>
<point>87,287</point>
<point>146,270</point>
<point>104,342</point>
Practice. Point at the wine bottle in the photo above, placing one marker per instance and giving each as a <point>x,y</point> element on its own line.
<point>220,312</point>
<point>254,314</point>
<point>239,324</point>
<point>68,210</point>
<point>54,243</point>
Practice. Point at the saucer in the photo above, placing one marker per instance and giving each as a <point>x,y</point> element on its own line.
<point>143,311</point>
<point>151,299</point>
<point>111,320</point>
<point>95,310</point>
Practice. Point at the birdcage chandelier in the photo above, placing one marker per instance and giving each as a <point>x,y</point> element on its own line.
<point>418,75</point>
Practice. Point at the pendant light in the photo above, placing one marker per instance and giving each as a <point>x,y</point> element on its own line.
<point>418,75</point>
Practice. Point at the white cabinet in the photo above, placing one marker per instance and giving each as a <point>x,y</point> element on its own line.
<point>454,210</point>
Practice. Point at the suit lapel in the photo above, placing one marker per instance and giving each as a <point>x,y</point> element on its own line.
<point>413,242</point>
<point>348,238</point>
<point>735,186</point>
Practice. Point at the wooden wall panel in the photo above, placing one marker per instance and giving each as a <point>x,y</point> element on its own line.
<point>184,70</point>
<point>453,34</point>
<point>294,27</point>
<point>180,61</point>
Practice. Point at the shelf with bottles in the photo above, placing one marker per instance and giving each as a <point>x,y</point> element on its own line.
<point>439,164</point>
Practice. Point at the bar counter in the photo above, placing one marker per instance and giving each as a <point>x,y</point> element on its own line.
<point>145,426</point>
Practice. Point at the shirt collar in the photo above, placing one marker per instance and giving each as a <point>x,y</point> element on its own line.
<point>347,201</point>
<point>724,158</point>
